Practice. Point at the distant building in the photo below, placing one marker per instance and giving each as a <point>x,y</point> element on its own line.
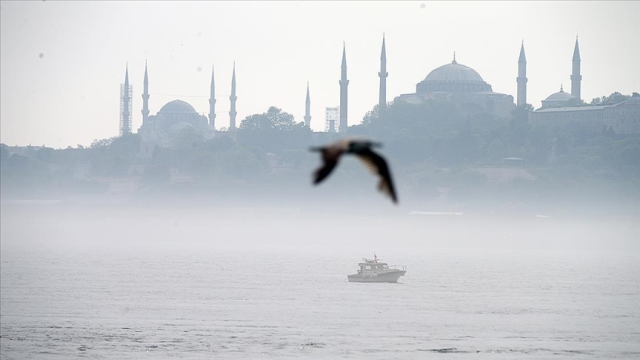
<point>624,117</point>
<point>462,86</point>
<point>559,99</point>
<point>125,104</point>
<point>562,109</point>
<point>332,116</point>
<point>587,118</point>
<point>454,82</point>
<point>344,83</point>
<point>621,118</point>
<point>307,109</point>
<point>165,128</point>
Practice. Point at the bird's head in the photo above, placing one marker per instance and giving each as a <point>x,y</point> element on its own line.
<point>355,146</point>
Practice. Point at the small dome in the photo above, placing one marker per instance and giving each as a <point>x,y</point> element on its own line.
<point>177,106</point>
<point>559,96</point>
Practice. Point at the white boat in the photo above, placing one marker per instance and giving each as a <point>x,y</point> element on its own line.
<point>377,271</point>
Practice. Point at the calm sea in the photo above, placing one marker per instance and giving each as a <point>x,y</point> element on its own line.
<point>91,284</point>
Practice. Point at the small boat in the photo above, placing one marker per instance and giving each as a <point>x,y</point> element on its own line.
<point>377,271</point>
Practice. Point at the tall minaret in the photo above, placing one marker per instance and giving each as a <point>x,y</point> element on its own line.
<point>125,121</point>
<point>233,97</point>
<point>382,101</point>
<point>576,78</point>
<point>212,103</point>
<point>343,93</point>
<point>522,78</point>
<point>307,109</point>
<point>145,96</point>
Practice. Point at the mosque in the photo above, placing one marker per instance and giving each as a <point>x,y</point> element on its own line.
<point>454,82</point>
<point>165,128</point>
<point>463,86</point>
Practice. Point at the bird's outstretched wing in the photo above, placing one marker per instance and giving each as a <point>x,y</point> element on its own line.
<point>378,166</point>
<point>330,159</point>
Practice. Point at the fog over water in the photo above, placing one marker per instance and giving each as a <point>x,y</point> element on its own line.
<point>120,281</point>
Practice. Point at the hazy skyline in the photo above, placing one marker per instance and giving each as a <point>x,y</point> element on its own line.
<point>70,94</point>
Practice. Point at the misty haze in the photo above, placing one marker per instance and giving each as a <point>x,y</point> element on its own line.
<point>164,187</point>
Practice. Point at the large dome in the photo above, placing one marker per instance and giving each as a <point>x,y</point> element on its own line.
<point>453,77</point>
<point>177,106</point>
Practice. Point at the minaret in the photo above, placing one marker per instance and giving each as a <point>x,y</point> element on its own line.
<point>145,96</point>
<point>125,121</point>
<point>307,109</point>
<point>382,101</point>
<point>233,97</point>
<point>576,78</point>
<point>212,103</point>
<point>522,78</point>
<point>343,93</point>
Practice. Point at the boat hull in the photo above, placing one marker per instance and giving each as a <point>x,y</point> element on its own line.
<point>386,277</point>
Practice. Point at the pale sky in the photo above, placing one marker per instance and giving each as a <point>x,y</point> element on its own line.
<point>69,95</point>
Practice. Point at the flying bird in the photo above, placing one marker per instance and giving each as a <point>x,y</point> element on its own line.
<point>362,148</point>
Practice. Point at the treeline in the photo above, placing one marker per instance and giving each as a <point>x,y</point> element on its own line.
<point>435,152</point>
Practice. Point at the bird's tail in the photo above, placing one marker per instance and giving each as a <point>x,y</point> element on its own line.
<point>315,148</point>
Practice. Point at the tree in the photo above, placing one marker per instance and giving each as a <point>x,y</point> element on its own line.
<point>157,151</point>
<point>4,153</point>
<point>563,143</point>
<point>521,113</point>
<point>102,142</point>
<point>575,102</point>
<point>25,173</point>
<point>273,119</point>
<point>219,143</point>
<point>538,145</point>
<point>126,146</point>
<point>188,138</point>
<point>496,151</point>
<point>240,163</point>
<point>45,155</point>
<point>110,166</point>
<point>273,131</point>
<point>297,157</point>
<point>612,99</point>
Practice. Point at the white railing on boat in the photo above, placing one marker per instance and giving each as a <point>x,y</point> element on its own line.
<point>398,267</point>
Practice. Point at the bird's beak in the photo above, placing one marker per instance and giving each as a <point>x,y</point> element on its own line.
<point>315,148</point>
<point>376,144</point>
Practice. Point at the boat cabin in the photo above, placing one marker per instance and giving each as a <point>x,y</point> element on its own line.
<point>370,266</point>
